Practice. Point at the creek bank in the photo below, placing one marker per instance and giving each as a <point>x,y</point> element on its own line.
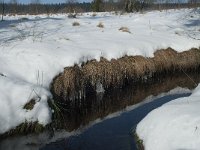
<point>94,81</point>
<point>92,77</point>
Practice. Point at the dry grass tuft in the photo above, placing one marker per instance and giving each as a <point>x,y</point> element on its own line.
<point>100,25</point>
<point>30,105</point>
<point>94,15</point>
<point>124,29</point>
<point>75,23</point>
<point>24,19</point>
<point>71,15</point>
<point>24,128</point>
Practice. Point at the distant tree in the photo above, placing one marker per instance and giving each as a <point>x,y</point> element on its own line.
<point>129,6</point>
<point>109,5</point>
<point>136,5</point>
<point>71,4</point>
<point>2,3</point>
<point>14,6</point>
<point>97,5</point>
<point>194,2</point>
<point>35,5</point>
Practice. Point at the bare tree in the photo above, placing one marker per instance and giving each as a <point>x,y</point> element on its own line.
<point>194,2</point>
<point>35,4</point>
<point>14,6</point>
<point>71,8</point>
<point>2,3</point>
<point>110,5</point>
<point>71,5</point>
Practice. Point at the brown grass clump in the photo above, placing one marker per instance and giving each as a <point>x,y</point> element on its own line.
<point>124,29</point>
<point>94,15</point>
<point>75,23</point>
<point>71,15</point>
<point>68,85</point>
<point>29,105</point>
<point>100,25</point>
<point>169,59</point>
<point>76,81</point>
<point>23,129</point>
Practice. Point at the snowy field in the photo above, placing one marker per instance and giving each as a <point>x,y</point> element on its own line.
<point>34,49</point>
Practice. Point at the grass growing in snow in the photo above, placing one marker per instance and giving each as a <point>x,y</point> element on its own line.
<point>124,29</point>
<point>100,25</point>
<point>138,142</point>
<point>75,23</point>
<point>29,105</point>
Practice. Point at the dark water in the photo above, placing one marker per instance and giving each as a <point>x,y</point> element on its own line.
<point>117,112</point>
<point>111,134</point>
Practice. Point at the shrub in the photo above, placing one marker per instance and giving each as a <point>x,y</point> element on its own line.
<point>30,105</point>
<point>71,15</point>
<point>75,23</point>
<point>94,15</point>
<point>24,19</point>
<point>100,25</point>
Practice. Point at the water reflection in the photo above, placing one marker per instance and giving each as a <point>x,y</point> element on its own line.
<point>80,113</point>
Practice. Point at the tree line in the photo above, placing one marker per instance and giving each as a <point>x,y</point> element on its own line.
<point>72,6</point>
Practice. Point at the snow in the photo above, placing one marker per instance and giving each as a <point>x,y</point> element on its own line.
<point>14,94</point>
<point>175,125</point>
<point>34,50</point>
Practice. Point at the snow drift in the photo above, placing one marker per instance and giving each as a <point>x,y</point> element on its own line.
<point>174,125</point>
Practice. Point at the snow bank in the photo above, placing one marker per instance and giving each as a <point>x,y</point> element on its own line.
<point>13,96</point>
<point>175,125</point>
<point>34,50</point>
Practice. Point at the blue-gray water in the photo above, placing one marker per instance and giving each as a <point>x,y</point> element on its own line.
<point>111,134</point>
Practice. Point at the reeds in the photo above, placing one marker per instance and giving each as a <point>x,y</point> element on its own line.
<point>76,81</point>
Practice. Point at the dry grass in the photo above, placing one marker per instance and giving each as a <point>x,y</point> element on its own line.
<point>75,23</point>
<point>124,29</point>
<point>71,15</point>
<point>75,81</point>
<point>94,15</point>
<point>23,129</point>
<point>30,105</point>
<point>100,25</point>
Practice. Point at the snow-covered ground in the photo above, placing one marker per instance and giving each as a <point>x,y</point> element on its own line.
<point>34,49</point>
<point>173,126</point>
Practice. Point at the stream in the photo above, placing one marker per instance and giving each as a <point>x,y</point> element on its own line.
<point>111,134</point>
<point>106,121</point>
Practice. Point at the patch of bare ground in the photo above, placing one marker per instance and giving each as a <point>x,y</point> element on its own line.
<point>76,81</point>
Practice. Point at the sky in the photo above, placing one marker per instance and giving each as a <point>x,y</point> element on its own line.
<point>46,1</point>
<point>61,1</point>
